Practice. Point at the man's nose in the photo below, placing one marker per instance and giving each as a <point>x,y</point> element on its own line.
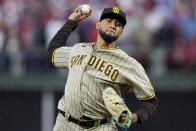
<point>112,25</point>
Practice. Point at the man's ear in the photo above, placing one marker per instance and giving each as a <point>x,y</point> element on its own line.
<point>121,33</point>
<point>98,25</point>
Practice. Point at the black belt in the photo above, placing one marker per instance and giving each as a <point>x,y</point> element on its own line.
<point>88,123</point>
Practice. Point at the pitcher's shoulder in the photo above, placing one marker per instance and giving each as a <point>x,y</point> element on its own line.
<point>126,56</point>
<point>82,44</point>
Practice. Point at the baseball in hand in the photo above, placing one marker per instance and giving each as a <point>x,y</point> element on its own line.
<point>85,9</point>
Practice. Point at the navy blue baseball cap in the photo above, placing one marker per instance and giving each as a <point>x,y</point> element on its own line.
<point>114,13</point>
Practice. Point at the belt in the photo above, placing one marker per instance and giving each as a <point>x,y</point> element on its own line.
<point>88,123</point>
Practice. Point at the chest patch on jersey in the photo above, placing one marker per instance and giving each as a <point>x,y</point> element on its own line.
<point>104,67</point>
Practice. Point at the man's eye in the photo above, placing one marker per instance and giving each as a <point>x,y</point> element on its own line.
<point>118,25</point>
<point>109,21</point>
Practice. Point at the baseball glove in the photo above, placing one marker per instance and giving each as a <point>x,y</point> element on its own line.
<point>116,106</point>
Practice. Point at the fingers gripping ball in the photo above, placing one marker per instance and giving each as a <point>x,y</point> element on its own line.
<point>116,106</point>
<point>85,9</point>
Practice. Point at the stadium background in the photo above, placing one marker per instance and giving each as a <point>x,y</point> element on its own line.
<point>160,34</point>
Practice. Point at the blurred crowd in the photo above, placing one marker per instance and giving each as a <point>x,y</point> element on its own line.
<point>160,34</point>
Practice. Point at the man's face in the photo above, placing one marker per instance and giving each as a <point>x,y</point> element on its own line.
<point>110,29</point>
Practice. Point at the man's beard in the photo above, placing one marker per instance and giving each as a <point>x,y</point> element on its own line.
<point>107,38</point>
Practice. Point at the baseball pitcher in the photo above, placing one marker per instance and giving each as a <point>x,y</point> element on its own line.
<point>100,74</point>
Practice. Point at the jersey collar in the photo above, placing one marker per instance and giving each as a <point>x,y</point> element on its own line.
<point>93,46</point>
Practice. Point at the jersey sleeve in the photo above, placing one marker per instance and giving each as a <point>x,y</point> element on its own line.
<point>140,82</point>
<point>61,57</point>
<point>60,39</point>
